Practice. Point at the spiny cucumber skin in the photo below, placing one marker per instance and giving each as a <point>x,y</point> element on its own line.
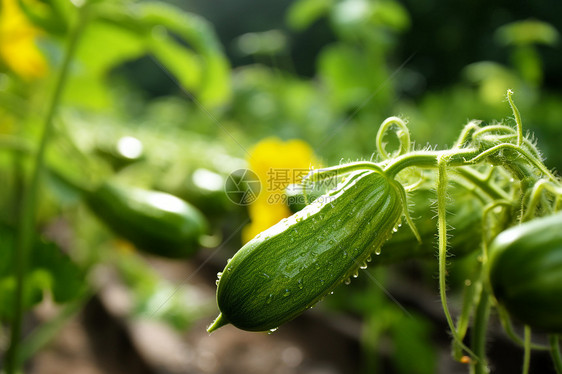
<point>291,266</point>
<point>525,271</point>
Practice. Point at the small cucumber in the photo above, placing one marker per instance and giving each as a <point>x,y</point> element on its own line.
<point>155,222</point>
<point>292,265</point>
<point>525,272</point>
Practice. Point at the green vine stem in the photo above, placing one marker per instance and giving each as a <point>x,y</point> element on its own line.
<point>536,194</point>
<point>479,332</point>
<point>442,234</point>
<point>28,212</point>
<point>507,326</point>
<point>517,117</point>
<point>555,353</point>
<point>43,334</point>
<point>481,182</point>
<point>526,349</point>
<point>464,318</point>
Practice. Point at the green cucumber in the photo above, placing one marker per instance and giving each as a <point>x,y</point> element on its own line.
<point>525,272</point>
<point>155,222</point>
<point>289,267</point>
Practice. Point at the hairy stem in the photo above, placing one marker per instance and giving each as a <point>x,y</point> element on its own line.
<point>442,233</point>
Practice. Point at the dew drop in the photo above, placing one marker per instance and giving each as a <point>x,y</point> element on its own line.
<point>286,293</point>
<point>363,265</point>
<point>378,251</point>
<point>356,273</point>
<point>271,331</point>
<point>369,258</point>
<point>229,268</point>
<point>331,293</point>
<point>347,281</point>
<point>219,275</point>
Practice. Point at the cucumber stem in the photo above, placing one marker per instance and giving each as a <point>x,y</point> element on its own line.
<point>442,233</point>
<point>219,322</point>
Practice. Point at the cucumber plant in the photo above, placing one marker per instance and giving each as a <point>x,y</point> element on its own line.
<point>509,201</point>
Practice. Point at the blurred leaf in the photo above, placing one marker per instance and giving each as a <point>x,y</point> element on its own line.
<point>527,61</point>
<point>67,279</point>
<point>269,42</point>
<point>104,45</point>
<point>413,352</point>
<point>51,15</point>
<point>184,43</point>
<point>303,13</point>
<point>180,61</point>
<point>360,18</point>
<point>50,269</point>
<point>351,76</point>
<point>527,32</point>
<point>390,14</point>
<point>213,85</point>
<point>493,79</point>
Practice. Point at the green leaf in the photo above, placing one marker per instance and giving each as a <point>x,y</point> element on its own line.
<point>185,65</point>
<point>51,15</point>
<point>412,353</point>
<point>104,46</point>
<point>351,76</point>
<point>527,32</point>
<point>303,13</point>
<point>390,14</point>
<point>212,87</point>
<point>49,269</point>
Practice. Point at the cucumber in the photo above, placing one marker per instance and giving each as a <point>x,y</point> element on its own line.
<point>525,272</point>
<point>155,222</point>
<point>292,265</point>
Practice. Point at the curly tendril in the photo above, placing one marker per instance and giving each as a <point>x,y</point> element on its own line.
<point>402,133</point>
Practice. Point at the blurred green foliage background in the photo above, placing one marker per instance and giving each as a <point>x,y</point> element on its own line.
<point>189,87</point>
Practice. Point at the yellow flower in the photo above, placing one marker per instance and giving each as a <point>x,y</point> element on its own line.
<point>277,164</point>
<point>17,42</point>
